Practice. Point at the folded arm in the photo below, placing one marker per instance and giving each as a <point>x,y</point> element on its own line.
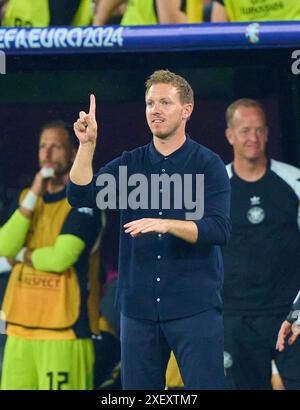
<point>13,234</point>
<point>57,258</point>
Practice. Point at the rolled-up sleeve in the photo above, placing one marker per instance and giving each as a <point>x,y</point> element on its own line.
<point>85,195</point>
<point>81,195</point>
<point>215,225</point>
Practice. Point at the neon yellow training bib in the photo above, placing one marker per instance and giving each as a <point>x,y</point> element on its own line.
<point>262,10</point>
<point>142,12</point>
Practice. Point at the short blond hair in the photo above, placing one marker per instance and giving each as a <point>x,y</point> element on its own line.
<point>242,102</point>
<point>186,93</point>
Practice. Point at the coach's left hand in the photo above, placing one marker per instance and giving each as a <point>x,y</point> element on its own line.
<point>147,225</point>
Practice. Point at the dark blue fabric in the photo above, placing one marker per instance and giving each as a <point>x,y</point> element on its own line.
<point>86,225</point>
<point>2,346</point>
<point>191,275</point>
<point>196,341</point>
<point>62,12</point>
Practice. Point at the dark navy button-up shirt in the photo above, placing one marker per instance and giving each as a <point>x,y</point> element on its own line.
<point>163,277</point>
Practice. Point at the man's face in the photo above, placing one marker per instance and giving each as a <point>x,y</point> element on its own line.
<point>55,150</point>
<point>248,134</point>
<point>3,7</point>
<point>164,111</point>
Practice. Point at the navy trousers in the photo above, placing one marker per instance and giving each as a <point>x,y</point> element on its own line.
<point>197,343</point>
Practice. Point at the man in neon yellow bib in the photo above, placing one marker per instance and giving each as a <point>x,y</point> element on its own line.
<point>149,12</point>
<point>260,10</point>
<point>51,302</point>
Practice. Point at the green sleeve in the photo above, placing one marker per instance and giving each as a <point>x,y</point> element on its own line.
<point>59,257</point>
<point>13,234</point>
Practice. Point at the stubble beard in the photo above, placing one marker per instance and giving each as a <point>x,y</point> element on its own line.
<point>167,134</point>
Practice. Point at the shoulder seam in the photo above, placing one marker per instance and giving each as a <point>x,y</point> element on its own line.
<point>229,170</point>
<point>288,173</point>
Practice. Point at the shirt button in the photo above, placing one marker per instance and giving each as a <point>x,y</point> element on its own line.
<point>158,257</point>
<point>158,299</point>
<point>160,213</point>
<point>166,158</point>
<point>163,170</point>
<point>159,236</point>
<point>161,190</point>
<point>158,279</point>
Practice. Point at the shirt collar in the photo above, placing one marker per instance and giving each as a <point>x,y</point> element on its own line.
<point>49,198</point>
<point>177,157</point>
<point>268,167</point>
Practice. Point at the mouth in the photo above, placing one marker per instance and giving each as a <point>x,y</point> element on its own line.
<point>253,146</point>
<point>48,164</point>
<point>157,121</point>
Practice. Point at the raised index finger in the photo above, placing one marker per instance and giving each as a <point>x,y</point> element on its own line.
<point>92,105</point>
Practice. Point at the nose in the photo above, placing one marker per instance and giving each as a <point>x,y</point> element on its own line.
<point>156,108</point>
<point>48,152</point>
<point>254,136</point>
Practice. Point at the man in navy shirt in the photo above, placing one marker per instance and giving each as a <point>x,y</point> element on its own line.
<point>170,264</point>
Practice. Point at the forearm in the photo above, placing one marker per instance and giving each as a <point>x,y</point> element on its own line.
<point>82,170</point>
<point>105,9</point>
<point>214,230</point>
<point>60,257</point>
<point>214,226</point>
<point>186,230</point>
<point>13,234</point>
<point>218,14</point>
<point>169,12</point>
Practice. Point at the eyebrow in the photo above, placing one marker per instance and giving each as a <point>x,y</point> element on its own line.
<point>52,143</point>
<point>161,99</point>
